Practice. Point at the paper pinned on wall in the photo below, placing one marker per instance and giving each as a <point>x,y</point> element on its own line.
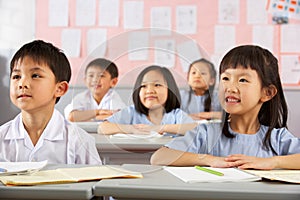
<point>71,41</point>
<point>290,71</point>
<point>263,35</point>
<point>160,21</point>
<point>85,12</point>
<point>165,53</point>
<point>290,41</point>
<point>109,12</point>
<point>58,13</point>
<point>188,52</point>
<point>229,11</point>
<point>96,42</point>
<point>186,19</point>
<point>259,8</point>
<point>133,14</point>
<point>138,44</point>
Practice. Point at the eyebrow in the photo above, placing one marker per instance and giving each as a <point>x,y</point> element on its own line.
<point>239,74</point>
<point>32,69</point>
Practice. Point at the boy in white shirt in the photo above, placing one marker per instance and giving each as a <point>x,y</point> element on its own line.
<point>100,100</point>
<point>39,76</point>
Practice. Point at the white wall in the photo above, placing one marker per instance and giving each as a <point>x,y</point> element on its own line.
<point>16,28</point>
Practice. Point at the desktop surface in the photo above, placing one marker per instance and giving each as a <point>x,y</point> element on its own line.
<point>118,150</point>
<point>159,184</point>
<point>49,191</point>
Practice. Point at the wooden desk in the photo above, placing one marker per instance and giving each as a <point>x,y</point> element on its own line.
<point>159,184</point>
<point>116,151</point>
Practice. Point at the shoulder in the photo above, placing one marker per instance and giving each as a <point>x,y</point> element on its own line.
<point>6,128</point>
<point>10,130</point>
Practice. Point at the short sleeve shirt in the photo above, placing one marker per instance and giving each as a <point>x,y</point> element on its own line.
<point>208,139</point>
<point>60,143</point>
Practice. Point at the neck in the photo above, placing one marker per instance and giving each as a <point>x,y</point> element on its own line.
<point>156,115</point>
<point>36,123</point>
<point>199,92</point>
<point>245,126</point>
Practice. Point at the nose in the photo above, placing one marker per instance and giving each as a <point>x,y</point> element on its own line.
<point>23,83</point>
<point>149,88</point>
<point>231,87</point>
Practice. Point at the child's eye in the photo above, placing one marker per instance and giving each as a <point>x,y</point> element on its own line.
<point>143,86</point>
<point>16,76</point>
<point>35,76</point>
<point>243,80</point>
<point>225,78</point>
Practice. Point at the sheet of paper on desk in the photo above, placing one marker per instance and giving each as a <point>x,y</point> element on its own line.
<point>21,167</point>
<point>70,175</point>
<point>193,175</point>
<point>136,136</point>
<point>291,176</point>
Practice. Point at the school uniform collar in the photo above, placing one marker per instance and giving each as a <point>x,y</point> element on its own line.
<point>53,131</point>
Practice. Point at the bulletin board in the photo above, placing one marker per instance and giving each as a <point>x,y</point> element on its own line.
<point>139,33</point>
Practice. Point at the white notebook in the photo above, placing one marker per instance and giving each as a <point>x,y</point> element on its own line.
<point>192,175</point>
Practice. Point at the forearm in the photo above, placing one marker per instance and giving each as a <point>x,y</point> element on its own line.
<point>288,161</point>
<point>79,116</point>
<point>109,128</point>
<point>167,156</point>
<point>178,128</point>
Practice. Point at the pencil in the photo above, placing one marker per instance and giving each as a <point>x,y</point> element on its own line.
<point>209,171</point>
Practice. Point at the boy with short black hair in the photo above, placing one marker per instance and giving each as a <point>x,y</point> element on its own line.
<point>39,76</point>
<point>100,100</point>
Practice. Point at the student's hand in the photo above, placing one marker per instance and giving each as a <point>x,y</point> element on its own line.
<point>103,114</point>
<point>149,128</point>
<point>246,162</point>
<point>135,129</point>
<point>215,161</point>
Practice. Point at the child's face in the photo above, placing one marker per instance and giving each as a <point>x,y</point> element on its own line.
<point>99,81</point>
<point>33,86</point>
<point>154,90</point>
<point>240,91</point>
<point>199,76</point>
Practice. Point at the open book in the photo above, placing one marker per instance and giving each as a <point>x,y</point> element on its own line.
<point>192,175</point>
<point>291,176</point>
<point>17,168</point>
<point>69,175</point>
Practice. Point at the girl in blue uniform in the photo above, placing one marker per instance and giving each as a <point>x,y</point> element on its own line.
<point>201,101</point>
<point>156,107</point>
<point>254,133</point>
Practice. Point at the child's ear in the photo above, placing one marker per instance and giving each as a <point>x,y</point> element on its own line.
<point>61,88</point>
<point>113,82</point>
<point>268,93</point>
<point>212,81</point>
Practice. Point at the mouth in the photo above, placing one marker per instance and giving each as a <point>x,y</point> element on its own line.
<point>150,98</point>
<point>232,100</point>
<point>23,96</point>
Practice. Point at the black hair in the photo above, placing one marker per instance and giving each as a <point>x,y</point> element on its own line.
<point>209,92</point>
<point>273,113</point>
<point>106,65</point>
<point>45,53</point>
<point>173,99</point>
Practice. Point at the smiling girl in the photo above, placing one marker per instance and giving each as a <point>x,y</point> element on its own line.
<point>156,107</point>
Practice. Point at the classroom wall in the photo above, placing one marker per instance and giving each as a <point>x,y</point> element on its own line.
<point>219,25</point>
